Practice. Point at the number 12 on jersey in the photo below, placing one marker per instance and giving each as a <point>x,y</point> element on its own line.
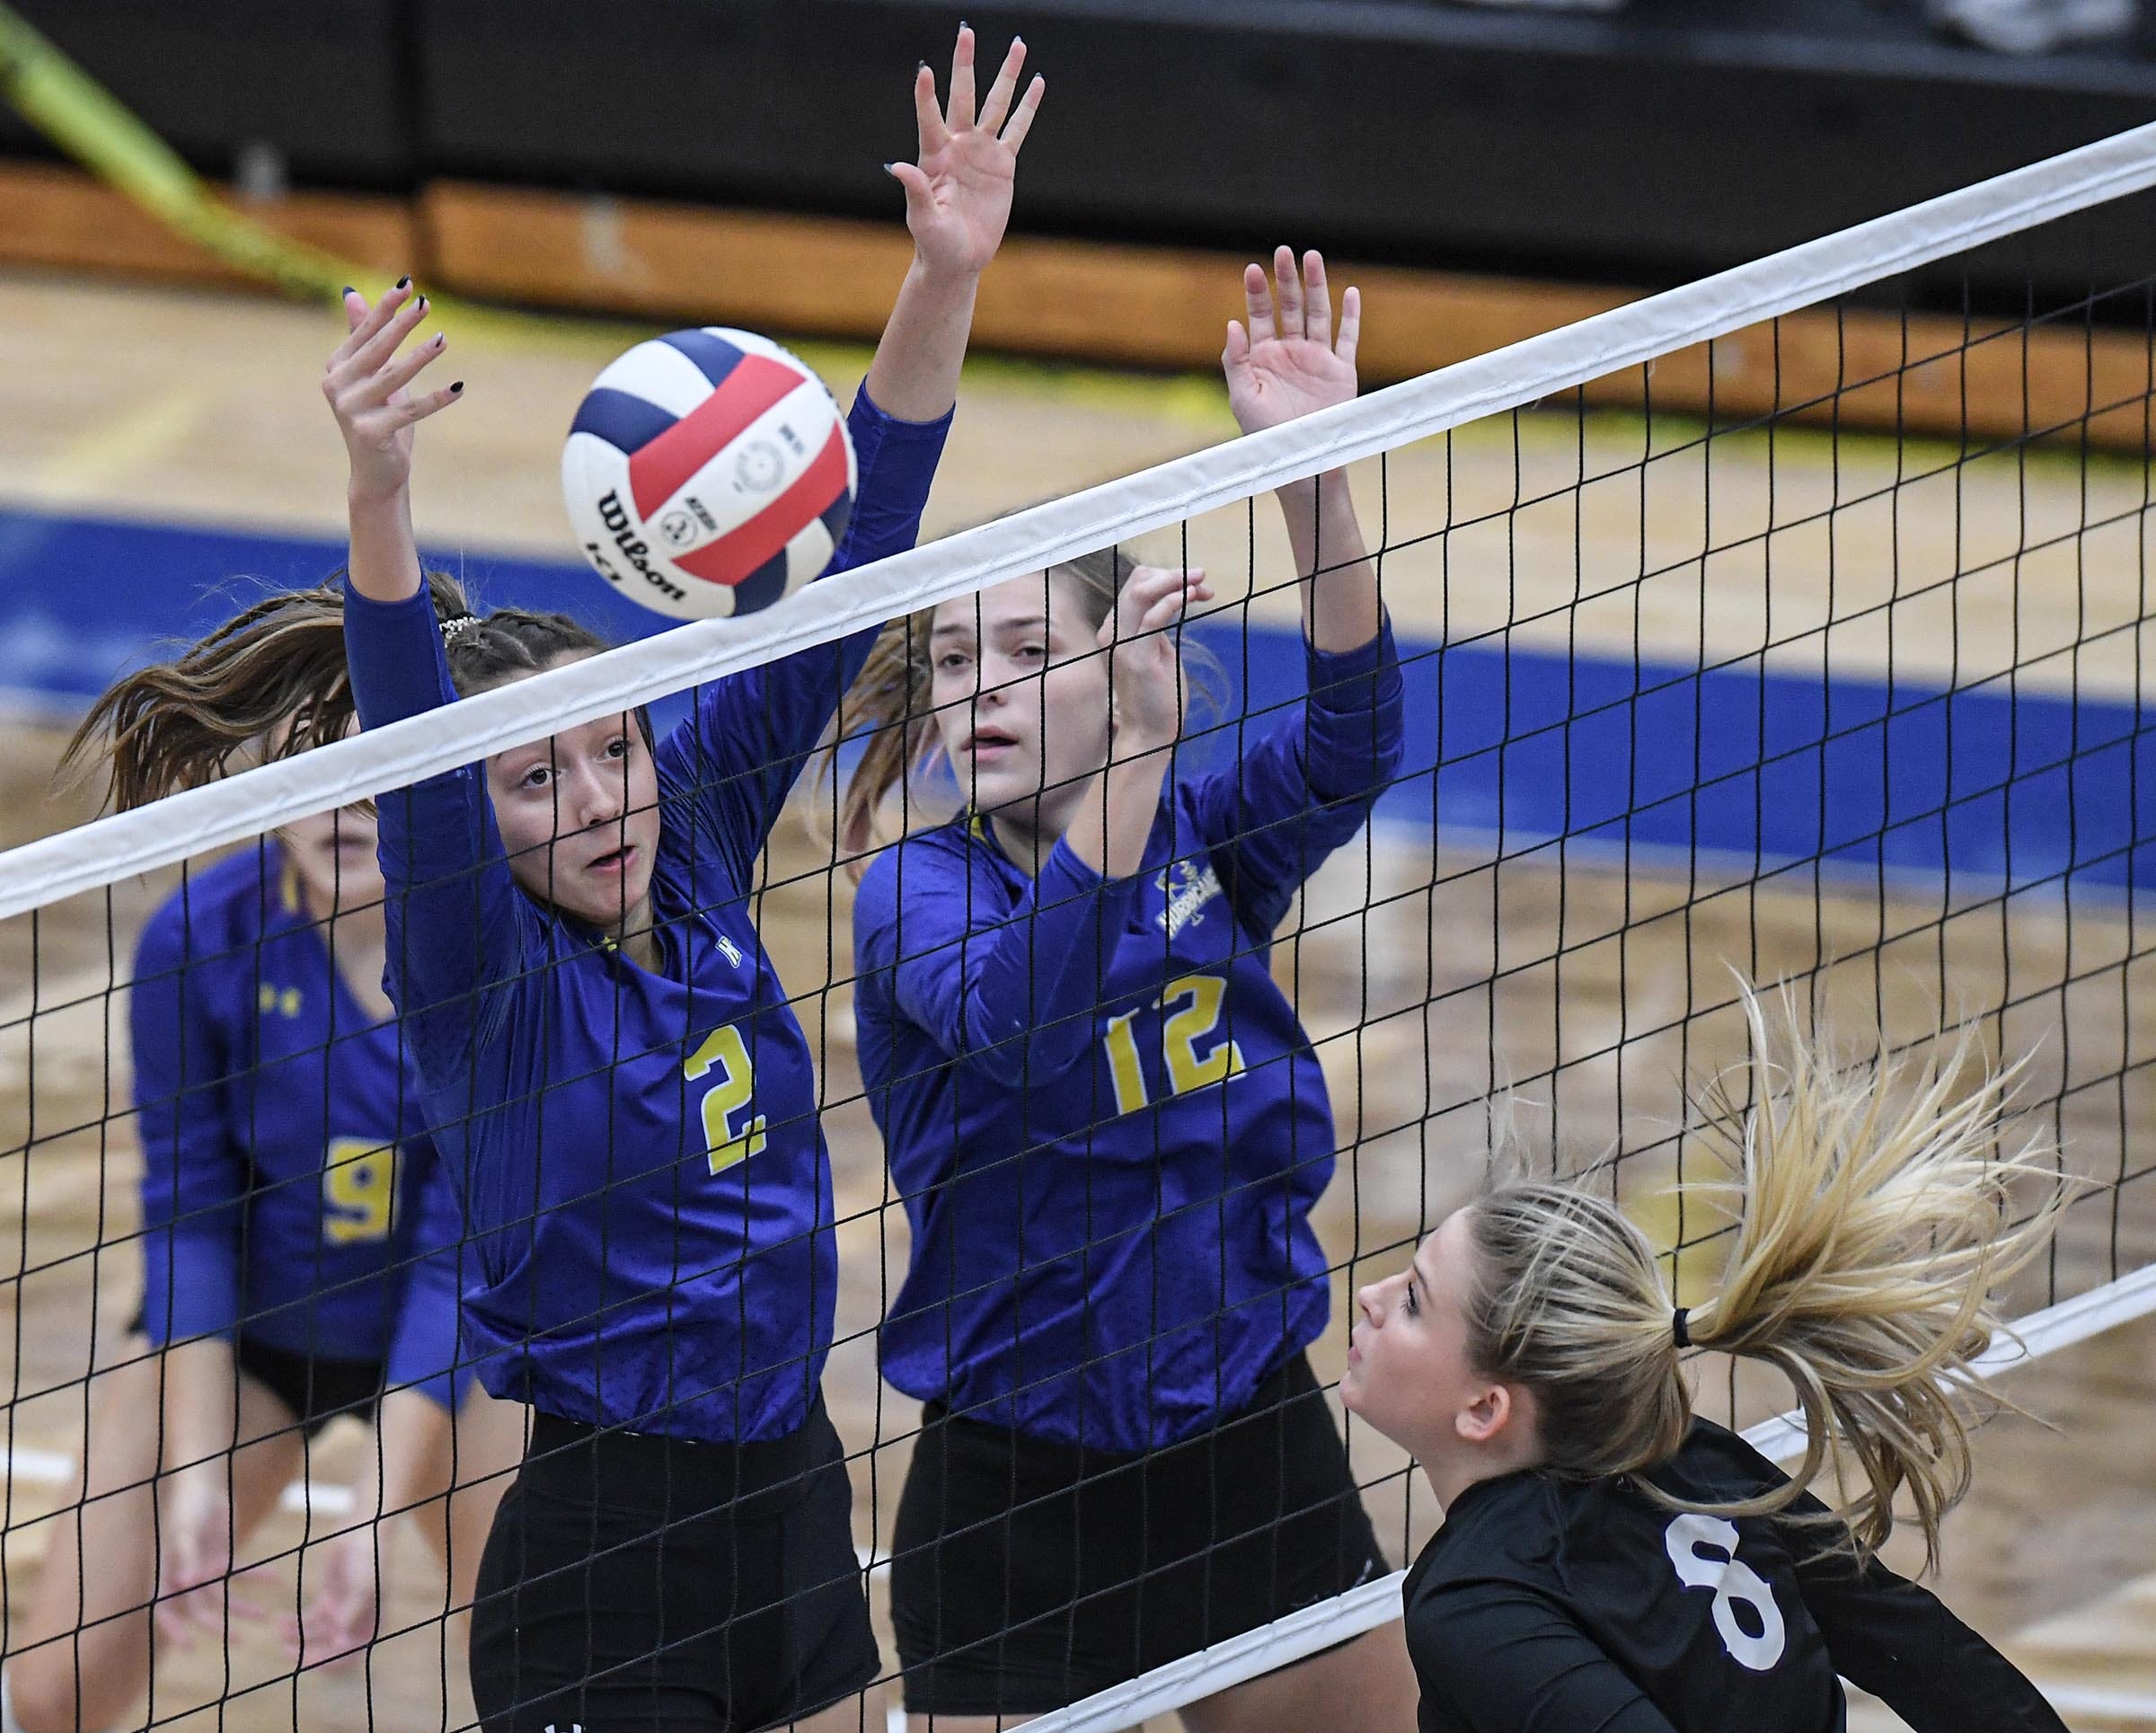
<point>1193,1006</point>
<point>727,1140</point>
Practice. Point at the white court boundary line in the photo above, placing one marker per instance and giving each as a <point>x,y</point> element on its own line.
<point>169,830</point>
<point>1301,1634</point>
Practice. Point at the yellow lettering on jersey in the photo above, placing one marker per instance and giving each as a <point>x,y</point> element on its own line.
<point>1124,1071</point>
<point>358,1190</point>
<point>726,1141</point>
<point>1193,1005</point>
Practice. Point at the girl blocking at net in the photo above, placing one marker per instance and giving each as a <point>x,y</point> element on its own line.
<point>1107,1126</point>
<point>614,1072</point>
<point>1607,1561</point>
<point>298,1238</point>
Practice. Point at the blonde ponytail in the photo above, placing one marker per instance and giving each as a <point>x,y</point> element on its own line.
<point>1875,1218</point>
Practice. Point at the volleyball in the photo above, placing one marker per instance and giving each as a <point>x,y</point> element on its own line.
<point>708,474</point>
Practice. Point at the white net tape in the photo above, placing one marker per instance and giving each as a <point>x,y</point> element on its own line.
<point>104,853</point>
<point>96,855</point>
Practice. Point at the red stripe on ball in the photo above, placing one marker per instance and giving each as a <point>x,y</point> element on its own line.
<point>732,558</point>
<point>657,472</point>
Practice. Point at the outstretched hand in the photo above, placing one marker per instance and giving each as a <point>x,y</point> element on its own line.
<point>958,197</point>
<point>367,385</point>
<point>1280,368</point>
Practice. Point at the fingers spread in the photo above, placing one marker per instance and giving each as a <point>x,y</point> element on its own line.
<point>1258,303</point>
<point>402,370</point>
<point>1317,313</point>
<point>1289,287</point>
<point>1236,354</point>
<point>418,409</point>
<point>918,192</point>
<point>996,110</point>
<point>959,114</point>
<point>372,318</point>
<point>1021,120</point>
<point>1351,325</point>
<point>376,349</point>
<point>928,118</point>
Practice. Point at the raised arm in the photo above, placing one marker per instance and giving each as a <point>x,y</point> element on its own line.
<point>453,912</point>
<point>367,385</point>
<point>752,732</point>
<point>958,202</point>
<point>1303,782</point>
<point>1284,366</point>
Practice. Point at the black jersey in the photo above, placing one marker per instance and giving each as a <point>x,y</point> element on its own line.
<point>1549,1607</point>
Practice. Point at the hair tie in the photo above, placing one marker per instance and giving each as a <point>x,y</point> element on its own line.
<point>458,626</point>
<point>1677,1321</point>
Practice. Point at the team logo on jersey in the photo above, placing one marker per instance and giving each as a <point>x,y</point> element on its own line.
<point>282,999</point>
<point>730,951</point>
<point>1187,887</point>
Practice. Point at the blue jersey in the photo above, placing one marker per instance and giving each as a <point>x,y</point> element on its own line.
<point>638,1152</point>
<point>289,1191</point>
<point>1105,1121</point>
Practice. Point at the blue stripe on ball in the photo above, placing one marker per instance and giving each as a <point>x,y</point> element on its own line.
<point>836,516</point>
<point>714,356</point>
<point>762,587</point>
<point>625,421</point>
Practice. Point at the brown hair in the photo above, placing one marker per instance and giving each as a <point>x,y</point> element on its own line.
<point>271,682</point>
<point>890,702</point>
<point>1873,1222</point>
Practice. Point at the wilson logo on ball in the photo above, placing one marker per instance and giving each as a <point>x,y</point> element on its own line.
<point>708,474</point>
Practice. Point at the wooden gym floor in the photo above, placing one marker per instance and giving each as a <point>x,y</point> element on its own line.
<point>1432,982</point>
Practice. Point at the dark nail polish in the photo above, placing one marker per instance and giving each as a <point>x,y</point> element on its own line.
<point>422,304</point>
<point>456,387</point>
<point>405,282</point>
<point>349,289</point>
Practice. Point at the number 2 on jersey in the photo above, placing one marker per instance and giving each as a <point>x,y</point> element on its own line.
<point>1196,1017</point>
<point>358,1190</point>
<point>1735,1584</point>
<point>727,1140</point>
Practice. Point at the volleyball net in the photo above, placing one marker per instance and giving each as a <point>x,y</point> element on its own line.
<point>1783,691</point>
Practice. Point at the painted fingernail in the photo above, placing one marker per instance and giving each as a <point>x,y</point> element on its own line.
<point>349,289</point>
<point>455,387</point>
<point>405,282</point>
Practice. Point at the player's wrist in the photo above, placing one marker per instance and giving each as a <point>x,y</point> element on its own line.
<point>943,276</point>
<point>372,493</point>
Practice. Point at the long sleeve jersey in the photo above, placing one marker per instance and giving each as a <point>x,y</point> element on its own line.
<point>1106,1123</point>
<point>289,1190</point>
<point>638,1152</point>
<point>1548,1607</point>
